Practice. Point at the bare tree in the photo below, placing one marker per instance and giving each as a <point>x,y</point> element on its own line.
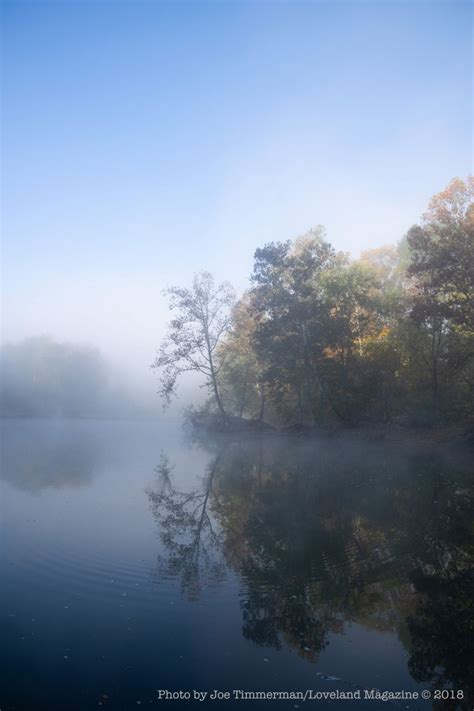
<point>203,317</point>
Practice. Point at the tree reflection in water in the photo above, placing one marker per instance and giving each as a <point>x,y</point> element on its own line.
<point>322,535</point>
<point>187,529</point>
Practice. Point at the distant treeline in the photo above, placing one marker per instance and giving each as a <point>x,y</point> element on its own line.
<point>320,338</point>
<point>43,378</point>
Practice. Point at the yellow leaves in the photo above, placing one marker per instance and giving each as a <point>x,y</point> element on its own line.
<point>384,333</point>
<point>453,204</point>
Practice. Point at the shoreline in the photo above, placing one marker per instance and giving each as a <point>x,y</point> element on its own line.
<point>390,432</point>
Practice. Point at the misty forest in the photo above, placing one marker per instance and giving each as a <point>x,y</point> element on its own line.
<point>320,338</point>
<point>44,378</point>
<point>237,356</point>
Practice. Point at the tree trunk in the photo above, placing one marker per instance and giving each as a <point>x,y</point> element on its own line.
<point>435,351</point>
<point>214,378</point>
<point>217,396</point>
<point>262,403</point>
<point>244,392</point>
<point>300,406</point>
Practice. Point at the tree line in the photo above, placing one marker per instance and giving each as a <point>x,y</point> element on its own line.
<point>40,377</point>
<point>320,338</point>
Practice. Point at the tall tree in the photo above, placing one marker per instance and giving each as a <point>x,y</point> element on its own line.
<point>241,375</point>
<point>203,317</point>
<point>288,308</point>
<point>442,269</point>
<point>351,293</point>
<point>442,250</point>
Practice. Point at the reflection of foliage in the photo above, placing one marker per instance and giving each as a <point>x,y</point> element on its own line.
<point>302,555</point>
<point>442,632</point>
<point>270,615</point>
<point>187,530</point>
<point>320,536</point>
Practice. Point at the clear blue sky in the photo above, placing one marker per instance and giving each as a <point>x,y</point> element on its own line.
<point>147,140</point>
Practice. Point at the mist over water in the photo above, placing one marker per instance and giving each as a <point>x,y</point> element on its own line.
<point>40,377</point>
<point>132,547</point>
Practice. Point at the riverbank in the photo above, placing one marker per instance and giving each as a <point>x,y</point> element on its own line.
<point>394,433</point>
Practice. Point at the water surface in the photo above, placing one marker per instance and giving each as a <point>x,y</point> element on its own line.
<point>135,559</point>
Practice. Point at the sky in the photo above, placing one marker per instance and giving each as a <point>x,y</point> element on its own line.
<point>145,141</point>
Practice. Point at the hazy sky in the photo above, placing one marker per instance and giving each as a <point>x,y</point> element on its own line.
<point>143,141</point>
